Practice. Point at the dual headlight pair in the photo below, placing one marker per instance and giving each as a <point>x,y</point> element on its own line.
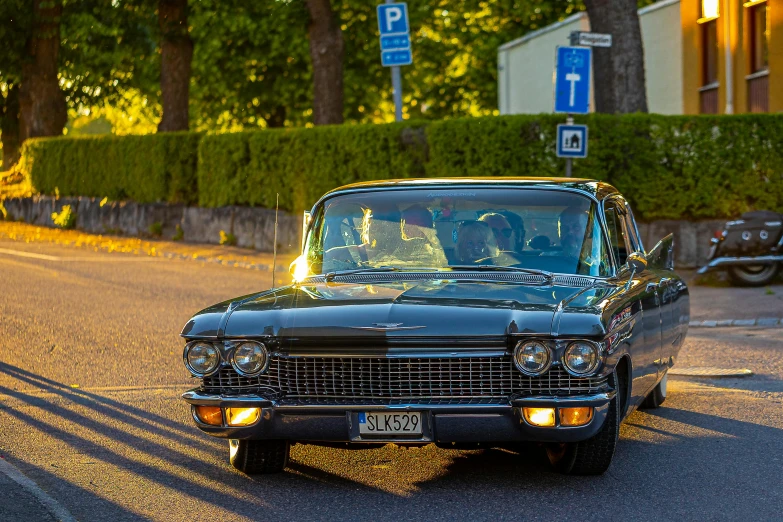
<point>534,357</point>
<point>249,358</point>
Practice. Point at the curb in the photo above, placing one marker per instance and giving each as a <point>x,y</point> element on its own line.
<point>761,321</point>
<point>54,508</point>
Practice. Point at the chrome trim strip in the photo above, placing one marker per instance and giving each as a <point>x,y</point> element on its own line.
<point>195,397</point>
<point>386,329</point>
<point>397,354</point>
<point>727,261</point>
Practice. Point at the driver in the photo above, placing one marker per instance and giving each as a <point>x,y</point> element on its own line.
<point>573,223</point>
<point>476,241</point>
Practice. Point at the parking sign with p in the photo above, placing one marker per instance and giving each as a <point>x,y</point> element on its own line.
<point>393,19</point>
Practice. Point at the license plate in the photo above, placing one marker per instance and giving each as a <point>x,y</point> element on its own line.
<point>383,423</point>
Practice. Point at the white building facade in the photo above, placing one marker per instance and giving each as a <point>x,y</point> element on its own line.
<point>526,65</point>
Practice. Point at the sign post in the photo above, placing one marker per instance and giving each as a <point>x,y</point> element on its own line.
<point>395,45</point>
<point>572,96</point>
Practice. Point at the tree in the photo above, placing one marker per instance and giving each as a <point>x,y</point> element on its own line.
<point>619,70</point>
<point>326,52</point>
<point>41,102</point>
<point>176,50</point>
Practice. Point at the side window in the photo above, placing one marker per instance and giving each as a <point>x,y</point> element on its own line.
<point>618,238</point>
<point>633,230</point>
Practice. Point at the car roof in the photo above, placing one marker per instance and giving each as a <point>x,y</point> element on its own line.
<point>597,189</point>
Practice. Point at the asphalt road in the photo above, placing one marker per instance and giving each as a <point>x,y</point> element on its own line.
<point>91,371</point>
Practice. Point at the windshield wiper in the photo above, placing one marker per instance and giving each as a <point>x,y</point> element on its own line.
<point>331,275</point>
<point>549,276</point>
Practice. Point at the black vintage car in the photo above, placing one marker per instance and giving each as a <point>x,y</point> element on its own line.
<point>459,312</point>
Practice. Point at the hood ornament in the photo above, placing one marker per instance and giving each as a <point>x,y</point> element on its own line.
<point>387,327</point>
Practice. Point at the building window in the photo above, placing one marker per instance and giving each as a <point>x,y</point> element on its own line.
<point>759,37</point>
<point>709,52</point>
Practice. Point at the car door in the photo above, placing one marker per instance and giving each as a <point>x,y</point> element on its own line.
<point>647,354</point>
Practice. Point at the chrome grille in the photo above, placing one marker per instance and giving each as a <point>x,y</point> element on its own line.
<point>382,380</point>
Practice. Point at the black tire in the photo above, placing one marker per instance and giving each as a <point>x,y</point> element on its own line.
<point>592,456</point>
<point>258,457</point>
<point>754,275</point>
<point>656,397</point>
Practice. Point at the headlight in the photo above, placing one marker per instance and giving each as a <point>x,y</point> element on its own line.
<point>532,357</point>
<point>201,358</point>
<point>250,358</point>
<point>581,358</point>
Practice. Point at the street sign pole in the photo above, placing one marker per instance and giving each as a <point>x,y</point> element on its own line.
<point>397,91</point>
<point>569,161</point>
<point>396,86</point>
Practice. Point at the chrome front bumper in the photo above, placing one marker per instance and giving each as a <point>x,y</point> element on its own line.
<point>442,422</point>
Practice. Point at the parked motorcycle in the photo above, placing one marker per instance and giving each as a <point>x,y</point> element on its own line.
<point>749,248</point>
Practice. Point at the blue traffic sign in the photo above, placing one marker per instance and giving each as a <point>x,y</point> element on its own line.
<point>572,80</point>
<point>393,18</point>
<point>396,41</point>
<point>396,58</point>
<point>571,141</point>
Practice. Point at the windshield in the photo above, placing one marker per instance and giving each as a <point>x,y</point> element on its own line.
<point>428,228</point>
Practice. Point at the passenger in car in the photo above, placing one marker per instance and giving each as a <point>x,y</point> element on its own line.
<point>573,223</point>
<point>504,234</point>
<point>476,241</point>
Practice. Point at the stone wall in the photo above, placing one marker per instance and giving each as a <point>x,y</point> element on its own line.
<point>255,227</point>
<point>252,227</point>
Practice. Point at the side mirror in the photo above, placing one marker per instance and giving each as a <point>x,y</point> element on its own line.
<point>637,262</point>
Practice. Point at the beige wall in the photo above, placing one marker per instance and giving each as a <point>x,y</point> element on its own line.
<point>525,66</point>
<point>662,41</point>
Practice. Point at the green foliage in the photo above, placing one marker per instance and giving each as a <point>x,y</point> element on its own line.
<point>251,168</point>
<point>65,219</point>
<point>179,234</point>
<point>669,167</point>
<point>142,168</point>
<point>156,229</point>
<point>227,238</point>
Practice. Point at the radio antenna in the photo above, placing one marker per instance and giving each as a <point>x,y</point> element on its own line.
<point>274,247</point>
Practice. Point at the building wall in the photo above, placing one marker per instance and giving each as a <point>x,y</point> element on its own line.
<point>737,37</point>
<point>526,65</point>
<point>776,56</point>
<point>662,41</point>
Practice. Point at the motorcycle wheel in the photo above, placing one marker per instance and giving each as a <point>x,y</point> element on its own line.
<point>754,275</point>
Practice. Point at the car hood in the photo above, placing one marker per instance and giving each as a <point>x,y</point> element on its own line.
<point>430,308</point>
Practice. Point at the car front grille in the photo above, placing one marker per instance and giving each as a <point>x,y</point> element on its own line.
<point>382,380</point>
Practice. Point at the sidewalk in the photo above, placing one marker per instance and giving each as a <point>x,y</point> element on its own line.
<point>734,306</point>
<point>220,254</point>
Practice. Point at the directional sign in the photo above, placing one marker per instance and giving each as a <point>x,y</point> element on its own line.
<point>393,19</point>
<point>572,141</point>
<point>590,39</point>
<point>572,80</point>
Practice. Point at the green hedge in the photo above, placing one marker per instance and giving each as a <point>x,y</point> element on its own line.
<point>669,167</point>
<point>141,168</point>
<point>251,168</point>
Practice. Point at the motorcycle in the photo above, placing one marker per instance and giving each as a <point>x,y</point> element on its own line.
<point>749,248</point>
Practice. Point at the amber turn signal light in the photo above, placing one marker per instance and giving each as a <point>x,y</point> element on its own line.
<point>542,417</point>
<point>242,416</point>
<point>576,416</point>
<point>209,415</point>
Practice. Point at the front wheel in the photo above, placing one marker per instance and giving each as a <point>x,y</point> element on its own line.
<point>754,275</point>
<point>592,456</point>
<point>257,457</point>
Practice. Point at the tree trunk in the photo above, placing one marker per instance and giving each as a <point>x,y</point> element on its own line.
<point>326,51</point>
<point>619,70</point>
<point>41,102</point>
<point>9,131</point>
<point>176,55</point>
